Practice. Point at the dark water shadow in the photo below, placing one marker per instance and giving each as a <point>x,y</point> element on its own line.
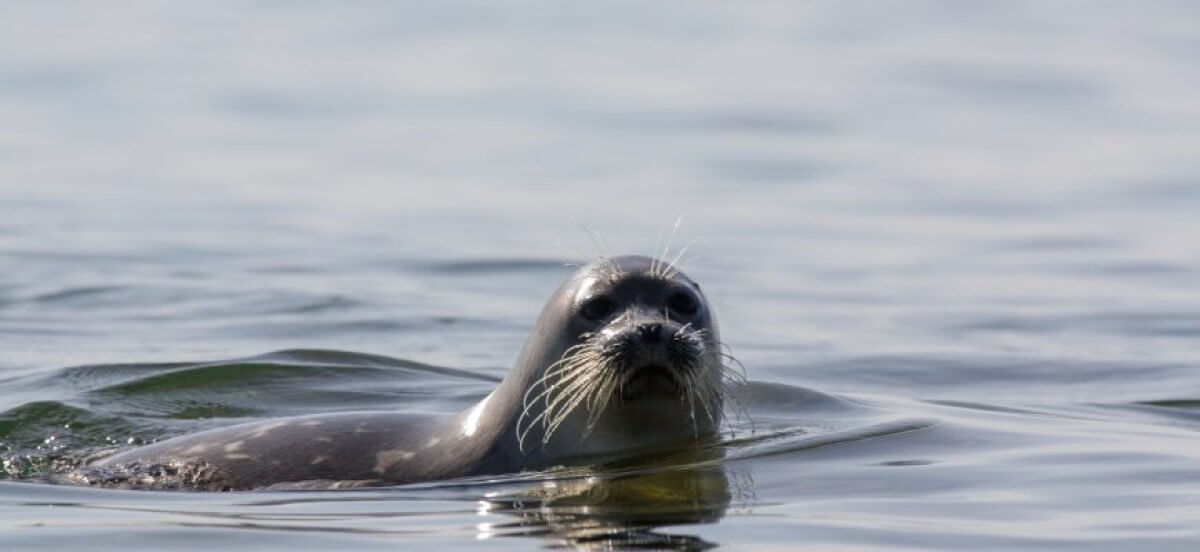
<point>622,506</point>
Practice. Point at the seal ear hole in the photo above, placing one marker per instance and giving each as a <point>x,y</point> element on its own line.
<point>597,308</point>
<point>682,303</point>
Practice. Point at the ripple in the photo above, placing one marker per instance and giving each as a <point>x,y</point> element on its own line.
<point>799,440</point>
<point>1012,84</point>
<point>484,266</point>
<point>71,294</point>
<point>989,377</point>
<point>326,328</point>
<point>1178,324</point>
<point>765,169</point>
<point>288,366</point>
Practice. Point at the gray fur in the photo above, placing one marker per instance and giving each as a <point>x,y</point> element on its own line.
<point>395,448</point>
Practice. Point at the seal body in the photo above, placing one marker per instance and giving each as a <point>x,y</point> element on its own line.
<point>623,358</point>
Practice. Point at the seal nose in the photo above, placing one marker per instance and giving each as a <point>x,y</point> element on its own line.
<point>651,332</point>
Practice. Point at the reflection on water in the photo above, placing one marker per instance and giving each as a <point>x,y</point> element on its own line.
<point>626,511</point>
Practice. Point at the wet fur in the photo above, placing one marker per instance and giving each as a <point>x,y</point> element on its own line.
<point>567,392</point>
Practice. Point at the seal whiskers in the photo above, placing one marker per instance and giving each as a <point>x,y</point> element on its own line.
<point>591,375</point>
<point>582,374</point>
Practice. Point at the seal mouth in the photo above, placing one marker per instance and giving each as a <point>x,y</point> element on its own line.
<point>651,380</point>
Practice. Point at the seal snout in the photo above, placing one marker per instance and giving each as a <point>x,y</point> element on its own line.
<point>650,333</point>
<point>652,357</point>
<point>650,340</point>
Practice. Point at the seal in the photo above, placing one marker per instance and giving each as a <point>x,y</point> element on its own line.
<point>624,358</point>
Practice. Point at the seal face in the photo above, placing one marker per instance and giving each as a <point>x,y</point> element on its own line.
<point>641,363</point>
<point>624,357</point>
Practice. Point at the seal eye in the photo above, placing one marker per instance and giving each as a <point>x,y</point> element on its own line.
<point>597,308</point>
<point>682,303</point>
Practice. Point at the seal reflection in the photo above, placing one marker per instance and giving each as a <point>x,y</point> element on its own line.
<point>622,510</point>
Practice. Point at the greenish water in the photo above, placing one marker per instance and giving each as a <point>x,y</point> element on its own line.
<point>953,245</point>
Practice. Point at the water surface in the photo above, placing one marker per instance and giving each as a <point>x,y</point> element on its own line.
<point>953,245</point>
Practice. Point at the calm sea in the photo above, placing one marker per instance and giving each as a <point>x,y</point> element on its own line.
<point>955,244</point>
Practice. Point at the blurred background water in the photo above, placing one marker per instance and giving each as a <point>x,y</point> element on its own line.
<point>955,244</point>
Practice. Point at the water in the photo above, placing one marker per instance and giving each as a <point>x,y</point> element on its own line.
<point>953,244</point>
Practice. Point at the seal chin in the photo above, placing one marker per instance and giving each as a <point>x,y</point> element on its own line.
<point>651,380</point>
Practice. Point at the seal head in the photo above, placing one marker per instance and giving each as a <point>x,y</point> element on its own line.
<point>624,356</point>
